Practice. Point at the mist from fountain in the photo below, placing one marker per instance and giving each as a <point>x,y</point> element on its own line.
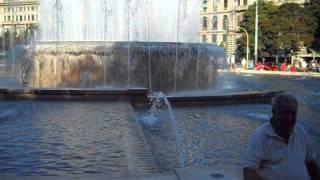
<point>74,53</point>
<point>82,20</point>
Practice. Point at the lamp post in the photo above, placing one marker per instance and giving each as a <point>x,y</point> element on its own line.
<point>247,34</point>
<point>256,34</point>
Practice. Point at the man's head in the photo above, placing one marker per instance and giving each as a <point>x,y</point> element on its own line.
<point>284,110</point>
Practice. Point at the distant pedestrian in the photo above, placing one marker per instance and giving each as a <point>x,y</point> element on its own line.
<point>233,62</point>
<point>243,63</point>
<point>283,67</point>
<point>303,66</point>
<point>251,64</point>
<point>293,68</point>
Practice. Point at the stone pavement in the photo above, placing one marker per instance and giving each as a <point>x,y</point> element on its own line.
<point>282,73</point>
<point>189,173</point>
<point>210,173</point>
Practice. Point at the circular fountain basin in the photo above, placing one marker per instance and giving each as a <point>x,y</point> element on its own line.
<point>154,65</point>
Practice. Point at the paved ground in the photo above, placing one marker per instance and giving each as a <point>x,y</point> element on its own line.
<point>308,74</point>
<point>210,173</point>
<point>190,173</point>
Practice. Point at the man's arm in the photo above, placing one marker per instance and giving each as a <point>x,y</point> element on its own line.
<point>313,169</point>
<point>250,174</point>
<point>253,158</point>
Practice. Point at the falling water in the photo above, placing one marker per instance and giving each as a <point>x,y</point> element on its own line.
<point>177,37</point>
<point>197,71</point>
<point>83,20</point>
<point>107,14</point>
<point>128,21</point>
<point>149,48</point>
<point>159,99</point>
<point>58,25</point>
<point>4,45</point>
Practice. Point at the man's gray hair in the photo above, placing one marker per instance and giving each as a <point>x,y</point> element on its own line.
<point>283,99</point>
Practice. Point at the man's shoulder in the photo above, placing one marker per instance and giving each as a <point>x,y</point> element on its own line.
<point>262,130</point>
<point>264,127</point>
<point>299,129</point>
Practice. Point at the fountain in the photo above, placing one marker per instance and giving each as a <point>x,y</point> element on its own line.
<point>111,45</point>
<point>118,44</point>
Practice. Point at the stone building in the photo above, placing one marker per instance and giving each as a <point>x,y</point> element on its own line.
<point>18,15</point>
<point>220,20</point>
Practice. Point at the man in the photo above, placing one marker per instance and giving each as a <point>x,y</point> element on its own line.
<point>279,149</point>
<point>244,63</point>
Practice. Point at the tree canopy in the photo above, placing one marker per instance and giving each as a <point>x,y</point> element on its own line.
<point>314,9</point>
<point>286,27</point>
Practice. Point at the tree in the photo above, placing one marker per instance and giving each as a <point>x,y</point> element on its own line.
<point>286,27</point>
<point>267,31</point>
<point>296,27</point>
<point>314,9</point>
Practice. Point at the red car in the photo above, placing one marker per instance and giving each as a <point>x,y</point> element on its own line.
<point>266,66</point>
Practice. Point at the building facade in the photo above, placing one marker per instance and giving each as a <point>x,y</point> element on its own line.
<point>220,20</point>
<point>18,15</point>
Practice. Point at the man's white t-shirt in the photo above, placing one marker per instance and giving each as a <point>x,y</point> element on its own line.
<point>272,158</point>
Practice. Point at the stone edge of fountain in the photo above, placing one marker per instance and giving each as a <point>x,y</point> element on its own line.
<point>250,97</point>
<point>137,96</point>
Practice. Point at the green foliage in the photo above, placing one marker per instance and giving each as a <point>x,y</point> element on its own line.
<point>296,27</point>
<point>314,9</point>
<point>286,27</point>
<point>267,30</point>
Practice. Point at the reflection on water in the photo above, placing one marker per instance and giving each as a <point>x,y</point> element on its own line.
<point>219,135</point>
<point>75,138</point>
<point>59,138</point>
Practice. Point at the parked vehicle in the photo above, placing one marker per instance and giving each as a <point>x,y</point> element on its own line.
<point>266,66</point>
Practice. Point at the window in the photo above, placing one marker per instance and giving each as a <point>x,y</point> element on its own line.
<point>204,38</point>
<point>32,8</point>
<point>21,18</point>
<point>20,9</point>
<point>238,2</point>
<point>205,23</point>
<point>214,38</point>
<point>245,2</point>
<point>225,4</point>
<point>224,38</point>
<point>204,5</point>
<point>29,17</point>
<point>9,18</point>
<point>214,23</point>
<point>17,18</point>
<point>215,5</point>
<point>204,9</point>
<point>25,18</point>
<point>32,18</point>
<point>225,22</point>
<point>5,18</point>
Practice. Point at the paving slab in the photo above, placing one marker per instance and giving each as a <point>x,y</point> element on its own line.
<point>159,176</point>
<point>210,173</point>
